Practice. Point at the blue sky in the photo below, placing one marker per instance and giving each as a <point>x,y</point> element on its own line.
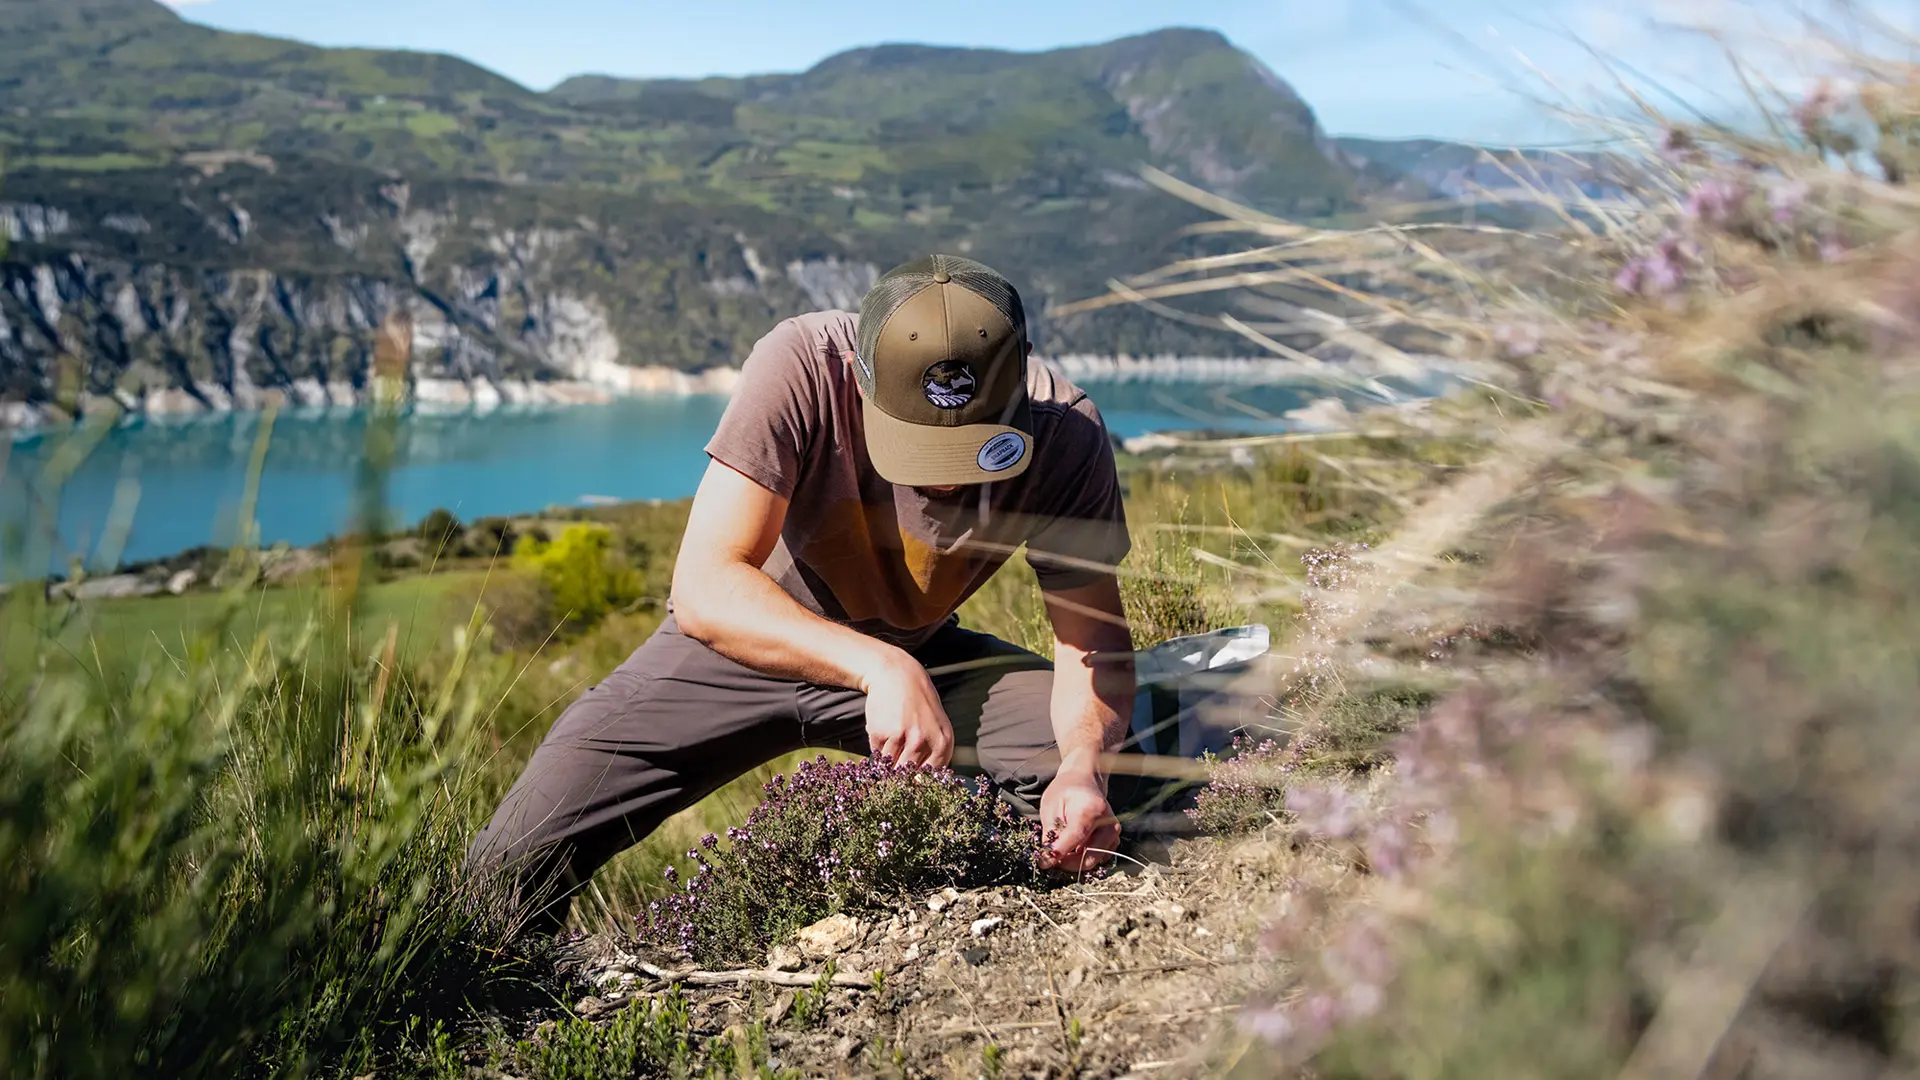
<point>1471,69</point>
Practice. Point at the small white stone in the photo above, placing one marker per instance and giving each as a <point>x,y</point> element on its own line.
<point>983,927</point>
<point>831,935</point>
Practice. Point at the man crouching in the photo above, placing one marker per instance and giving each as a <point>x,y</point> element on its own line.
<point>872,471</point>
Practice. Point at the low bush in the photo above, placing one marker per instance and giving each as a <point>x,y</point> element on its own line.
<point>583,573</point>
<point>647,1037</point>
<point>832,837</point>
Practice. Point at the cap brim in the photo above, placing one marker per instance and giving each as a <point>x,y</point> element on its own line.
<point>921,455</point>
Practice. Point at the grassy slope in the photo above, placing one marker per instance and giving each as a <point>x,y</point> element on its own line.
<point>1246,515</point>
<point>421,610</point>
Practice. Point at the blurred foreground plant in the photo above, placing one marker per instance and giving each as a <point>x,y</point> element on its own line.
<point>234,863</point>
<point>237,858</point>
<point>1667,830</point>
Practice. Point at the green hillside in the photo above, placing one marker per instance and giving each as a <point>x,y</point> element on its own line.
<point>217,211</point>
<point>895,121</point>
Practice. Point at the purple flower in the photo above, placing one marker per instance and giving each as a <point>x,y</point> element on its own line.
<point>1388,848</point>
<point>1662,276</point>
<point>1326,809</point>
<point>1628,280</point>
<point>1274,1025</point>
<point>1787,200</point>
<point>1716,201</point>
<point>1817,110</point>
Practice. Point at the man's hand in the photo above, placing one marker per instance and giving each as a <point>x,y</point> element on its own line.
<point>1075,808</point>
<point>1091,704</point>
<point>905,720</point>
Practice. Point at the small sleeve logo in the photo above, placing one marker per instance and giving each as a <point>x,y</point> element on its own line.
<point>1002,452</point>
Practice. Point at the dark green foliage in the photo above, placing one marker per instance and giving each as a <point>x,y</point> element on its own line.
<point>440,531</point>
<point>647,1037</point>
<point>810,1002</point>
<point>234,863</point>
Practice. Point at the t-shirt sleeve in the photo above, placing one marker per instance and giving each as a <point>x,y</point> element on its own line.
<point>1080,524</point>
<point>766,428</point>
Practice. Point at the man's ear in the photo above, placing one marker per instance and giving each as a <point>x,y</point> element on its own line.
<point>1029,349</point>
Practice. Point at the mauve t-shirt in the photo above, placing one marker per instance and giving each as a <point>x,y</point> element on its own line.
<point>884,559</point>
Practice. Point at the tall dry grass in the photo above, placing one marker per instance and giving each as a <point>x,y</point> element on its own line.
<point>1669,830</point>
<point>241,857</point>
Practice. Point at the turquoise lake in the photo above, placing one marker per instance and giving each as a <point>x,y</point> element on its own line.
<point>190,475</point>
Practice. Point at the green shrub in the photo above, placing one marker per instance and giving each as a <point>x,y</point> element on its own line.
<point>441,532</point>
<point>645,1038</point>
<point>582,572</point>
<point>838,836</point>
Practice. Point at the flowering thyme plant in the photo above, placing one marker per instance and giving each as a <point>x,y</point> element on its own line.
<point>836,837</point>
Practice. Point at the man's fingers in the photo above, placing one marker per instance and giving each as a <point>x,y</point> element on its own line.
<point>1073,835</point>
<point>914,750</point>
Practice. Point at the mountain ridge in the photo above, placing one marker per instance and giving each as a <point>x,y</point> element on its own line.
<point>203,218</point>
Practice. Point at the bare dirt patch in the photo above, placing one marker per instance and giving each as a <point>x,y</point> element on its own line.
<point>1137,973</point>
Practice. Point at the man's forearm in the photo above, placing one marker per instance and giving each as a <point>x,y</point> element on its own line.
<point>742,614</point>
<point>1091,708</point>
<point>1093,675</point>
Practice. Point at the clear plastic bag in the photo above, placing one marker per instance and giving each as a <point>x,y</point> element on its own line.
<point>1193,695</point>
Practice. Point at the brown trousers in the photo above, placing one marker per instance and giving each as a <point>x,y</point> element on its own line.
<point>677,721</point>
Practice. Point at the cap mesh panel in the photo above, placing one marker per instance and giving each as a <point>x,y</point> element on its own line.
<point>899,285</point>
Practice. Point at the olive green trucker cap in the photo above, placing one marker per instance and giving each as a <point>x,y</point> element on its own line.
<point>942,368</point>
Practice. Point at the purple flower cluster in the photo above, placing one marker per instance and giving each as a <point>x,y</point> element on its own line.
<point>1356,969</point>
<point>1660,272</point>
<point>1333,575</point>
<point>1718,200</point>
<point>1818,118</point>
<point>835,837</point>
<point>1326,809</point>
<point>1472,757</point>
<point>1766,205</point>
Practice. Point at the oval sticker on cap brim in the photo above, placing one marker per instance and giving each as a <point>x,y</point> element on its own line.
<point>1002,452</point>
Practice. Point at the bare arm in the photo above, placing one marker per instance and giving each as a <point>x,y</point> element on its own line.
<point>723,599</point>
<point>1092,702</point>
<point>1093,692</point>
